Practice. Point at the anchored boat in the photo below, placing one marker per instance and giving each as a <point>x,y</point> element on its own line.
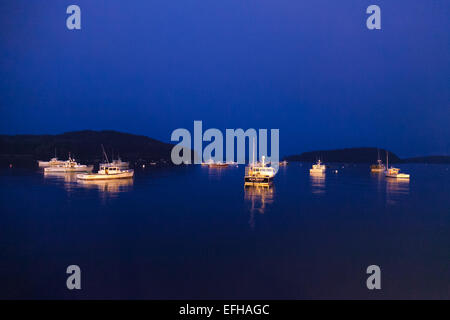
<point>394,172</point>
<point>319,167</point>
<point>212,164</point>
<point>257,174</point>
<point>107,172</point>
<point>379,167</point>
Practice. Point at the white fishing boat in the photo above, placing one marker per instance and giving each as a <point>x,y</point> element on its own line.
<point>69,166</point>
<point>318,167</point>
<point>107,172</point>
<point>257,174</point>
<point>394,172</point>
<point>52,163</point>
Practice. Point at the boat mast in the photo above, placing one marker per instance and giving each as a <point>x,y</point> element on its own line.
<point>104,153</point>
<point>387,160</point>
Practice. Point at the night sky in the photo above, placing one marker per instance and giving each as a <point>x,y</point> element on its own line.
<point>310,68</point>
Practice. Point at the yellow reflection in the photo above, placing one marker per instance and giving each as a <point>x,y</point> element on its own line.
<point>66,177</point>
<point>69,179</point>
<point>108,186</point>
<point>258,197</point>
<point>317,182</point>
<point>396,189</point>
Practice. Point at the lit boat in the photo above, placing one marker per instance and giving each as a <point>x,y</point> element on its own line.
<point>317,168</point>
<point>213,164</point>
<point>394,172</point>
<point>218,165</point>
<point>257,174</point>
<point>379,167</point>
<point>283,163</point>
<point>52,163</point>
<point>69,166</point>
<point>207,163</point>
<point>107,172</point>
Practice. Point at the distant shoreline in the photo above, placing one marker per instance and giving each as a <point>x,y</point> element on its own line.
<point>362,155</point>
<point>85,146</point>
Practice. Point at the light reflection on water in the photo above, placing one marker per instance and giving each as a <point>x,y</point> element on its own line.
<point>108,186</point>
<point>72,184</point>
<point>190,211</point>
<point>258,198</point>
<point>396,190</point>
<point>317,183</point>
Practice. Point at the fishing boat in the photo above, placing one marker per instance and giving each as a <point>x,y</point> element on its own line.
<point>69,166</point>
<point>257,174</point>
<point>394,172</point>
<point>379,167</point>
<point>52,163</point>
<point>107,172</point>
<point>318,167</point>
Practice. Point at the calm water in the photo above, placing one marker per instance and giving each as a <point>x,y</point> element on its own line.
<point>195,232</point>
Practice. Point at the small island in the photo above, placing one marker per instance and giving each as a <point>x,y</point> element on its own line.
<point>361,155</point>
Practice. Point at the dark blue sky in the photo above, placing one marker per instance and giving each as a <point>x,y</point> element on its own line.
<point>310,68</point>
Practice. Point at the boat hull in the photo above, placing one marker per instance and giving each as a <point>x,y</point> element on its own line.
<point>96,176</point>
<point>255,181</point>
<point>217,165</point>
<point>403,176</point>
<point>316,171</point>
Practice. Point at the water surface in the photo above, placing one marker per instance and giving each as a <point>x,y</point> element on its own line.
<point>194,232</point>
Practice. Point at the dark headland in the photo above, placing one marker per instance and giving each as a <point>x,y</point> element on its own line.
<point>84,146</point>
<point>361,155</point>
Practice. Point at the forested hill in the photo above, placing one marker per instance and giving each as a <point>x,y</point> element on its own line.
<point>84,146</point>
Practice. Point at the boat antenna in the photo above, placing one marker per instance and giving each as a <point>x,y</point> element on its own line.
<point>104,153</point>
